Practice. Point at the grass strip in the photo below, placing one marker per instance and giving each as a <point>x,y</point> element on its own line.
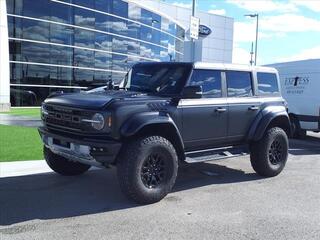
<point>19,144</point>
<point>31,112</point>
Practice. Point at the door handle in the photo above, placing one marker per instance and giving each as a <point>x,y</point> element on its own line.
<point>220,110</point>
<point>253,108</point>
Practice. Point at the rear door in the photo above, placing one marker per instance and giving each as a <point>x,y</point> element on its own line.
<point>243,105</point>
<point>205,119</point>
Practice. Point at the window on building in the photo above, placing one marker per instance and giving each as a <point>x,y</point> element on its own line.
<point>209,80</point>
<point>239,84</point>
<point>51,43</point>
<point>267,83</point>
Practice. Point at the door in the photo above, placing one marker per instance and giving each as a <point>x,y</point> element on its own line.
<point>205,119</point>
<point>243,105</point>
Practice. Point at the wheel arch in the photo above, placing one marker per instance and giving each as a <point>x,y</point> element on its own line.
<point>273,117</point>
<point>154,123</point>
<point>281,121</point>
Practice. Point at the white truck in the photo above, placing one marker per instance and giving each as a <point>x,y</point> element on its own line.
<point>300,83</point>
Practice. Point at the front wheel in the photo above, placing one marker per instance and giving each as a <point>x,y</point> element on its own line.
<point>269,155</point>
<point>62,165</point>
<point>147,169</point>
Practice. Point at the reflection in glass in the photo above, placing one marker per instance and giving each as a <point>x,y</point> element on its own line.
<point>111,43</point>
<point>239,84</point>
<point>209,80</point>
<point>267,83</point>
<point>33,96</point>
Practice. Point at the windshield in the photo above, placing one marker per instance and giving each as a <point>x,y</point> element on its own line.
<point>157,78</point>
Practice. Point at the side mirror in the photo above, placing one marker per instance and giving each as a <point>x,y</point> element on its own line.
<point>192,91</point>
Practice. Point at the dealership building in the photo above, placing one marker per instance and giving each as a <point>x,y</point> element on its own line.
<point>70,45</point>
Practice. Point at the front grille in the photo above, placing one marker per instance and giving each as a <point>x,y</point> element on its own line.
<point>64,117</point>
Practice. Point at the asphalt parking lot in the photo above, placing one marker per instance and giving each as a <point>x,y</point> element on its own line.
<point>216,200</point>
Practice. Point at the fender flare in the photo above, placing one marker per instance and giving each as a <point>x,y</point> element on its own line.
<point>140,120</point>
<point>263,120</point>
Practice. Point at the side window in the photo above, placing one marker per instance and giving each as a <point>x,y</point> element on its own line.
<point>209,80</point>
<point>267,83</point>
<point>239,84</point>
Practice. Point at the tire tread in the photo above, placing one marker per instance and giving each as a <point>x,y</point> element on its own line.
<point>125,166</point>
<point>260,162</point>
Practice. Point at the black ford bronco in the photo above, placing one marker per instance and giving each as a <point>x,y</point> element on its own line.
<point>165,114</point>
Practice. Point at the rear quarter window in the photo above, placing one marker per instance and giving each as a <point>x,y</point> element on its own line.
<point>267,83</point>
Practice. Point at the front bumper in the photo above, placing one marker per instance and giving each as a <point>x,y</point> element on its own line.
<point>88,151</point>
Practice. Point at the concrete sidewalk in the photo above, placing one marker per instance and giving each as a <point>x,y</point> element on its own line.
<point>21,168</point>
<point>24,168</point>
<point>18,120</point>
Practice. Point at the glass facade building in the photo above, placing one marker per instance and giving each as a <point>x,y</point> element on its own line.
<point>71,45</point>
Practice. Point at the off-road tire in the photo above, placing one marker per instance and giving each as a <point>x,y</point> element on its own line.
<point>265,159</point>
<point>131,168</point>
<point>62,165</point>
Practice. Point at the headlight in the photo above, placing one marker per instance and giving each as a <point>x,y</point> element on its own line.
<point>98,121</point>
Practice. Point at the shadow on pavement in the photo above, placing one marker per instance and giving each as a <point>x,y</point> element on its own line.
<point>50,196</point>
<point>310,145</point>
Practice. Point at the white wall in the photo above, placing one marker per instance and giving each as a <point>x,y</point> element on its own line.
<point>4,59</point>
<point>217,47</point>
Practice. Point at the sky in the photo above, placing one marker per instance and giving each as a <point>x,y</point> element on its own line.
<point>289,30</point>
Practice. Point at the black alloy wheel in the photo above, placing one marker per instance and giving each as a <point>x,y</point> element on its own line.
<point>147,168</point>
<point>153,170</point>
<point>276,152</point>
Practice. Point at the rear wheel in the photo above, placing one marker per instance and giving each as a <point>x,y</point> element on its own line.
<point>62,165</point>
<point>269,155</point>
<point>147,169</point>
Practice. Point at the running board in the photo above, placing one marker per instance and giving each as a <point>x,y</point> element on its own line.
<point>216,154</point>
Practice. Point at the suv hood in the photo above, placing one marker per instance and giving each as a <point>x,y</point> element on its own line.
<point>95,100</point>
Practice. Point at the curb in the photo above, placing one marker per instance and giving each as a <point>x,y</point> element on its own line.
<point>21,168</point>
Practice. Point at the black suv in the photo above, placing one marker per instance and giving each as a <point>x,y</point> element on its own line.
<point>164,114</point>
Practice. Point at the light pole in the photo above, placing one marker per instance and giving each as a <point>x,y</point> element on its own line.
<point>257,31</point>
<point>251,54</point>
<point>193,43</point>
